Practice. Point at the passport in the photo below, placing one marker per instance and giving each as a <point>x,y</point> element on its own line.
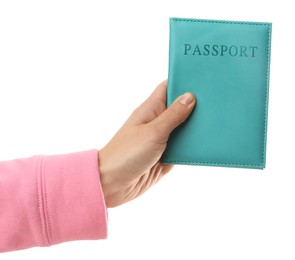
<point>226,65</point>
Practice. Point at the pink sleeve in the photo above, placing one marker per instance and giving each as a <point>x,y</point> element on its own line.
<point>46,200</point>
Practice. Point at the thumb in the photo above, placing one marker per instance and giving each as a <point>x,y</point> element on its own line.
<point>175,114</point>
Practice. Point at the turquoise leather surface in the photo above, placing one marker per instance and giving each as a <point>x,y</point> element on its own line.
<point>226,65</point>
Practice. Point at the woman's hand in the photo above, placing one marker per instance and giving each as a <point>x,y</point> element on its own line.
<point>130,162</point>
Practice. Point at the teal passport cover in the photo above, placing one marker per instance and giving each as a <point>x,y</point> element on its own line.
<point>226,65</point>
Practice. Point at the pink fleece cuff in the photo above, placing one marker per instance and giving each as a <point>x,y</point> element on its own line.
<point>45,200</point>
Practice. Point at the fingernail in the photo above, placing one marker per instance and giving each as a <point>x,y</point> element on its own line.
<point>187,98</point>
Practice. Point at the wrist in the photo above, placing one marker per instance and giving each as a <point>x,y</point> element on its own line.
<point>107,173</point>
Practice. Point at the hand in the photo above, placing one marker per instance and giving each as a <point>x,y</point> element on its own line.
<point>130,163</point>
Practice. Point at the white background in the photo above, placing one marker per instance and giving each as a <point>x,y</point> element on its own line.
<point>71,72</point>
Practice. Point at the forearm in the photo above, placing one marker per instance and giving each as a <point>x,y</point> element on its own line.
<point>45,200</point>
